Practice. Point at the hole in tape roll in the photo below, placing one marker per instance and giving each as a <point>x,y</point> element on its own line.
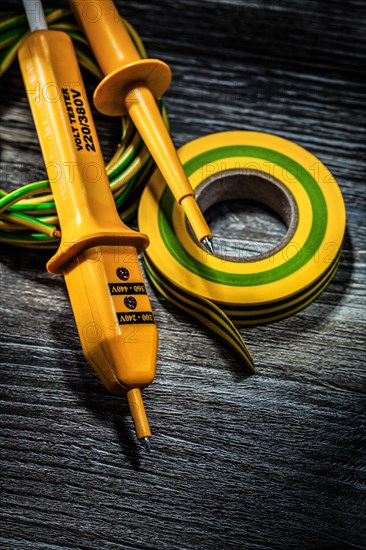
<point>252,215</point>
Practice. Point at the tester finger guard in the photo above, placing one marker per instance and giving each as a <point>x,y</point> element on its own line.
<point>98,253</point>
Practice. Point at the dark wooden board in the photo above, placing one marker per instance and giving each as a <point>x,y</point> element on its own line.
<point>273,460</point>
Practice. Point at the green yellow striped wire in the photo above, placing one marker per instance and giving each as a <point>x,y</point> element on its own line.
<point>28,215</point>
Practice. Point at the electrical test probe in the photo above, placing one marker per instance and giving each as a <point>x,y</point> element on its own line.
<point>133,85</point>
<point>98,253</point>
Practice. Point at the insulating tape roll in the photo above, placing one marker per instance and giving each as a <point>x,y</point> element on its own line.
<point>223,292</point>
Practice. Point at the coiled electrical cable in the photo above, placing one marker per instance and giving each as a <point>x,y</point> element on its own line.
<point>28,214</point>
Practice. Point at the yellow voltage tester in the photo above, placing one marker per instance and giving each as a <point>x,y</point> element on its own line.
<point>98,253</point>
<point>132,85</point>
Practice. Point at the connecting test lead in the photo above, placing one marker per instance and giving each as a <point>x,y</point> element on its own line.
<point>98,252</point>
<point>133,85</point>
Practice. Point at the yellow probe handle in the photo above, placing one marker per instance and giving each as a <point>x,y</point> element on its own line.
<point>133,84</point>
<point>117,56</point>
<point>98,252</point>
<point>103,19</point>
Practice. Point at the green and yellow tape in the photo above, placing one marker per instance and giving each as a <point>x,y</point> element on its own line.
<point>221,292</point>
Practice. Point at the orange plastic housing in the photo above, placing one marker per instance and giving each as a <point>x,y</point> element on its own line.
<point>98,252</point>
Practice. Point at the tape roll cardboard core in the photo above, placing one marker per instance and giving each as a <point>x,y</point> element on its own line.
<point>254,186</point>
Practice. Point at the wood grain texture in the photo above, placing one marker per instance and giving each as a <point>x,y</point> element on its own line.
<point>273,460</point>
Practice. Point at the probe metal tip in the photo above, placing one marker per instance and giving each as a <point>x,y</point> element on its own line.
<point>145,442</point>
<point>207,242</point>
